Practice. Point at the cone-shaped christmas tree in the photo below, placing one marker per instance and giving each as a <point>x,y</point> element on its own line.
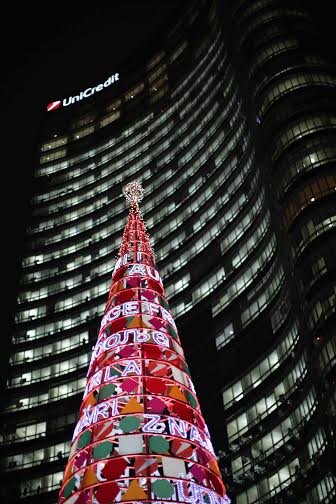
<point>140,436</point>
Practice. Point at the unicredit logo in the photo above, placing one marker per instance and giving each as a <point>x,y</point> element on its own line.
<point>53,105</point>
<point>83,94</point>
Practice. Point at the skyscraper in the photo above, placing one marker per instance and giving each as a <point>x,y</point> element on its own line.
<point>229,124</point>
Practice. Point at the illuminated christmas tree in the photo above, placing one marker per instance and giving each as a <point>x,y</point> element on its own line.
<point>140,436</point>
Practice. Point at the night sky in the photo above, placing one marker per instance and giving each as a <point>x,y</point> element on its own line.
<point>53,52</point>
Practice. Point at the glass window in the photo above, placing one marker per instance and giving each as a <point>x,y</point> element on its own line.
<point>51,156</point>
<point>54,143</point>
<point>224,336</point>
<point>83,132</point>
<point>109,118</point>
<point>155,59</point>
<point>132,93</point>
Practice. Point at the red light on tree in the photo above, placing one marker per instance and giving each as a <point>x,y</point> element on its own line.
<point>140,436</point>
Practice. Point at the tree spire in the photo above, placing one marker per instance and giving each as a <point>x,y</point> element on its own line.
<point>135,237</point>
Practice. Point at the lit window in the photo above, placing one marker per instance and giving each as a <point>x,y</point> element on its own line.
<point>225,336</point>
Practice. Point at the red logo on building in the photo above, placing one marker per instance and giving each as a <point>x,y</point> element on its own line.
<point>53,105</point>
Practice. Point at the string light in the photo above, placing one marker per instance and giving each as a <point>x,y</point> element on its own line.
<point>134,193</point>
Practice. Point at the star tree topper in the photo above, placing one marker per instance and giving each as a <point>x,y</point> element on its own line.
<point>133,193</point>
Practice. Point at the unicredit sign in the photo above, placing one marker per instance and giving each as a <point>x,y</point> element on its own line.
<point>83,94</point>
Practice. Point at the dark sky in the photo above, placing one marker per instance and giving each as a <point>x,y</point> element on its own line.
<point>54,51</point>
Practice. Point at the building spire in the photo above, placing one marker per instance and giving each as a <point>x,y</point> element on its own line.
<point>140,435</point>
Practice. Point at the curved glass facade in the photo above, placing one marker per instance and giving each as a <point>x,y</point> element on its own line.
<point>241,212</point>
<point>291,88</point>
